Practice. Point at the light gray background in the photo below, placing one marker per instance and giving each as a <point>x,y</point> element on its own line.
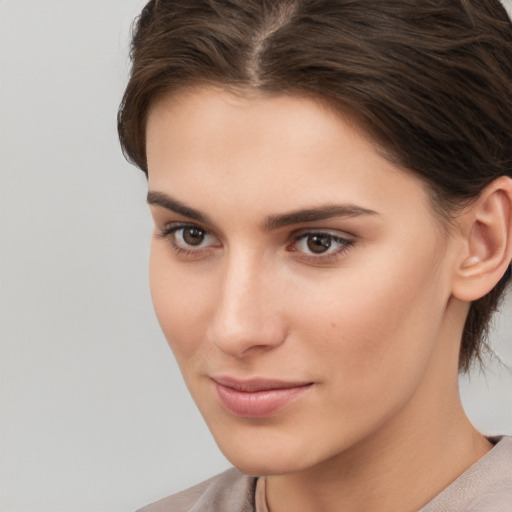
<point>94,416</point>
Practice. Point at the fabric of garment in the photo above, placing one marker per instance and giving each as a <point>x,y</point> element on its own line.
<point>484,487</point>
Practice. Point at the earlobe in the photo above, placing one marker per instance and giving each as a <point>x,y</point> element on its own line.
<point>487,230</point>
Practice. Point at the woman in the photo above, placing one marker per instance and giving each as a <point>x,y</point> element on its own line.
<point>331,186</point>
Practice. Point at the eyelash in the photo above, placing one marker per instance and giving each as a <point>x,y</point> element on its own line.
<point>169,233</point>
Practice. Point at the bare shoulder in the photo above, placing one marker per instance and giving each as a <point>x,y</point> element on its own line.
<point>230,490</point>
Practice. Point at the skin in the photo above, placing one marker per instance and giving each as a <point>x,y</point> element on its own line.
<point>372,324</point>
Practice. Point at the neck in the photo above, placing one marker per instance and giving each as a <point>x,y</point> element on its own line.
<point>391,468</point>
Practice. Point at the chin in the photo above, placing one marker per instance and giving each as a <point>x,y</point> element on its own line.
<point>265,465</point>
<point>264,456</point>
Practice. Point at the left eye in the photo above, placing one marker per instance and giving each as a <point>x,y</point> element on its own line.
<point>320,243</point>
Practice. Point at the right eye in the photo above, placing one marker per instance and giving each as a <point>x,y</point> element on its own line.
<point>189,238</point>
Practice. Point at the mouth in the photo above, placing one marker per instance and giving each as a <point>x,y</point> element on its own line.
<point>257,398</point>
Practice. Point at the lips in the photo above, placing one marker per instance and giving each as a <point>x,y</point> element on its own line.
<point>257,398</point>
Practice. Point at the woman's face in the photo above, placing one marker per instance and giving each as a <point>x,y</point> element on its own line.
<point>300,279</point>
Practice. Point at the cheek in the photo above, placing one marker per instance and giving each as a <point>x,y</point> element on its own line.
<point>179,301</point>
<point>378,328</point>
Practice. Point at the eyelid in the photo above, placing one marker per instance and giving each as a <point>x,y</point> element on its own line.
<point>339,233</point>
<point>171,227</point>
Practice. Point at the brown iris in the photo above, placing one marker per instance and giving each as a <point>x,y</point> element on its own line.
<point>319,243</point>
<point>193,236</point>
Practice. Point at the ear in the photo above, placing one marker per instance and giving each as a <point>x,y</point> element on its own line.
<point>487,241</point>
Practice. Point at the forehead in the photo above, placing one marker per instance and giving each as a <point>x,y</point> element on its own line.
<point>288,149</point>
<point>211,105</point>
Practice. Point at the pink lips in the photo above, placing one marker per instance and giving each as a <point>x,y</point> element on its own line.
<point>257,398</point>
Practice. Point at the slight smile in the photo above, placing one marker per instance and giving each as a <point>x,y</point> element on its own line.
<point>257,398</point>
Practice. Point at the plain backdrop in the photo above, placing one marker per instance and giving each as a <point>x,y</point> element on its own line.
<point>94,416</point>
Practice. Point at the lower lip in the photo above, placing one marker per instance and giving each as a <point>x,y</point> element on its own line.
<point>257,404</point>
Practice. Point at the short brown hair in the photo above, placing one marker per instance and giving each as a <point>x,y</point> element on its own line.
<point>430,82</point>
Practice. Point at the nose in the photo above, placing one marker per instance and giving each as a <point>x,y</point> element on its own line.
<point>247,316</point>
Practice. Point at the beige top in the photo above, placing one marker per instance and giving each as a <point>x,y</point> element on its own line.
<point>484,487</point>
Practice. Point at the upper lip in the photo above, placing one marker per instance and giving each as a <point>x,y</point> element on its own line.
<point>257,384</point>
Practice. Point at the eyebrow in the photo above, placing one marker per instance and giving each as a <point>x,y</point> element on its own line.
<point>169,203</point>
<point>272,222</point>
<point>315,214</point>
